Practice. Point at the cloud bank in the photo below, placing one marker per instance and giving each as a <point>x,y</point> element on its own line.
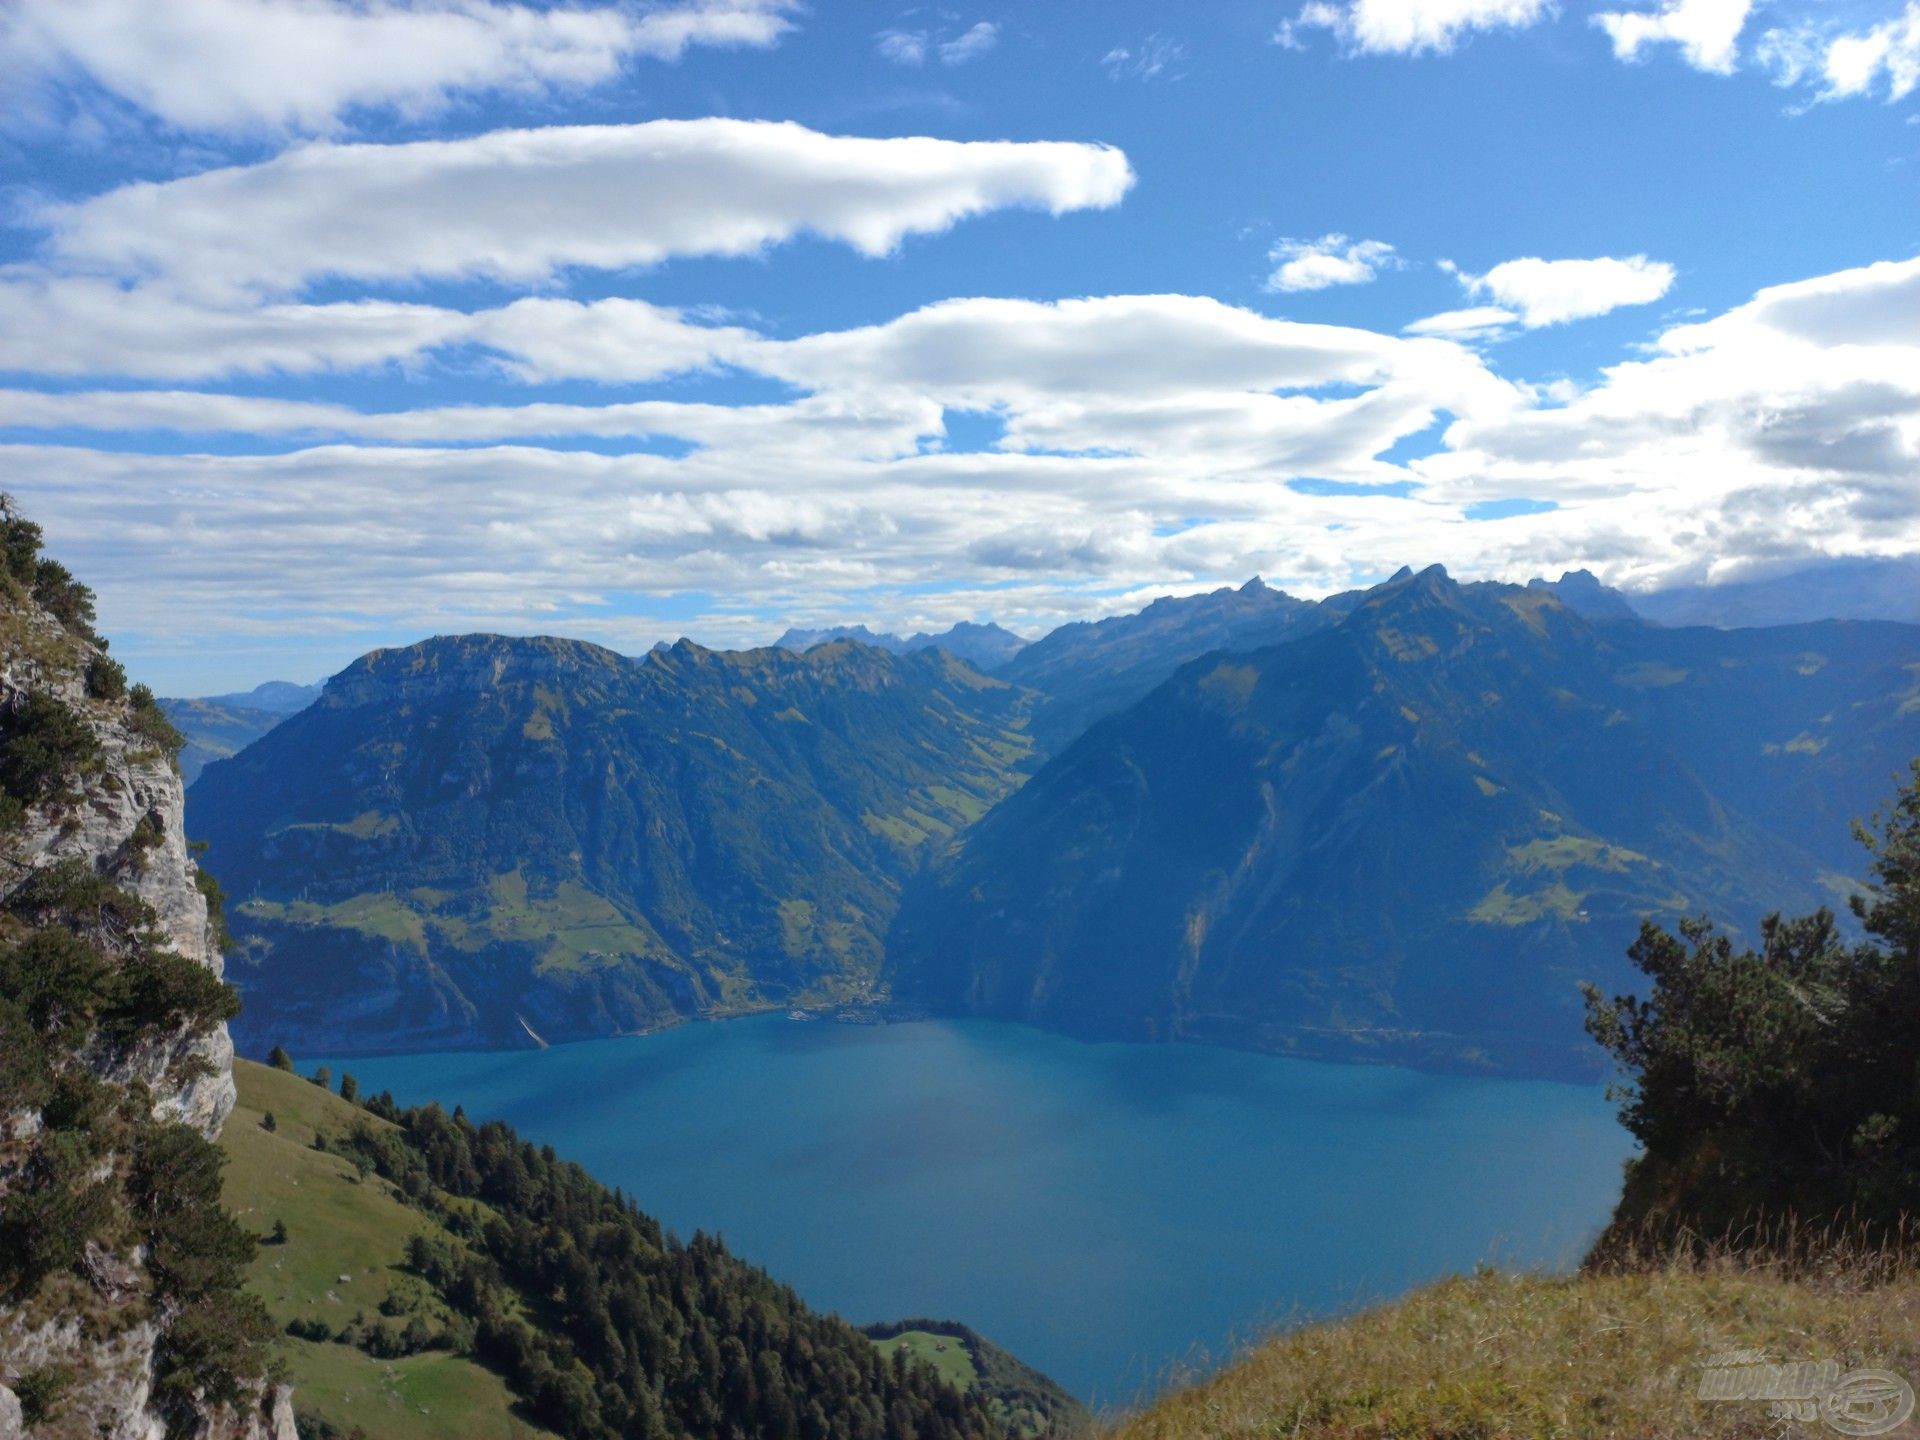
<point>607,196</point>
<point>224,65</point>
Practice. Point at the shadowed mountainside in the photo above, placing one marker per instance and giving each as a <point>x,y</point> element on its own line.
<point>1410,834</point>
<point>1091,669</point>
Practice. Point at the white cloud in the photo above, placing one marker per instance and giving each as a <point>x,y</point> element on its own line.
<point>970,44</point>
<point>1408,27</point>
<point>1553,292</point>
<point>1330,260</point>
<point>1848,63</point>
<point>1154,58</point>
<point>80,326</point>
<point>299,64</point>
<point>978,353</point>
<point>83,326</point>
<point>903,47</point>
<point>1149,440</point>
<point>1474,322</point>
<point>519,205</point>
<point>1707,31</point>
<point>913,47</point>
<point>1786,430</point>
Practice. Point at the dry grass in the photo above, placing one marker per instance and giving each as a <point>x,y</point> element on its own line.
<point>1613,1353</point>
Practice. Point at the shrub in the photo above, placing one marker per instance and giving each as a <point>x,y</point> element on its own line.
<point>70,893</point>
<point>150,721</point>
<point>149,833</point>
<point>216,899</point>
<point>40,1392</point>
<point>19,543</point>
<point>57,980</point>
<point>44,746</point>
<point>1776,1082</point>
<point>159,990</point>
<point>106,678</point>
<point>64,597</point>
<point>279,1059</point>
<point>54,1207</point>
<point>24,1077</point>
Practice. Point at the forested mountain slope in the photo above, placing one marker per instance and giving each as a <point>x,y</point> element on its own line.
<point>1410,833</point>
<point>440,1280</point>
<point>477,838</point>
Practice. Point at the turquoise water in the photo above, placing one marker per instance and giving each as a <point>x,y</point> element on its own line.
<point>1105,1211</point>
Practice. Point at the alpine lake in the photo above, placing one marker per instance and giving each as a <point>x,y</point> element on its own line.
<point>1117,1215</point>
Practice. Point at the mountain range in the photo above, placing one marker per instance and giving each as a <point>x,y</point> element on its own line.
<point>985,647</point>
<point>1399,822</point>
<point>1409,832</point>
<point>216,726</point>
<point>481,840</point>
<point>1851,588</point>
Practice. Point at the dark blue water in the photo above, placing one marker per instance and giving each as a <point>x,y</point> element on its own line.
<point>1105,1211</point>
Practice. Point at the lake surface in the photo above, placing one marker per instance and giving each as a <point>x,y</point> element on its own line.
<point>1105,1211</point>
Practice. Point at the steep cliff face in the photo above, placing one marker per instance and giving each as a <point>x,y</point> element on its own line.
<point>115,1063</point>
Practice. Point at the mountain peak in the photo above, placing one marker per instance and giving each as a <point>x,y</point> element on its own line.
<point>1584,593</point>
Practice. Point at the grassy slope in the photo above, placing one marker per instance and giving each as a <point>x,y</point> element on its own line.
<point>1026,1403</point>
<point>1515,1355</point>
<point>339,1225</point>
<point>944,1353</point>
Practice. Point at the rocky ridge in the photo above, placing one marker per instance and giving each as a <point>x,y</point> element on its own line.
<point>100,1328</point>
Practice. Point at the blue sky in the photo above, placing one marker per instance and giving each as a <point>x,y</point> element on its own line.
<point>325,326</point>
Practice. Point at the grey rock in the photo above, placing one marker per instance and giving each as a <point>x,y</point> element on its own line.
<point>135,785</point>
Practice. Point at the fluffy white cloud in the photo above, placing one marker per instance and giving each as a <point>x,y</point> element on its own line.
<point>299,64</point>
<point>1848,63</point>
<point>1707,31</point>
<point>979,353</point>
<point>1330,260</point>
<point>1408,27</point>
<point>1553,292</point>
<point>607,197</point>
<point>1789,426</point>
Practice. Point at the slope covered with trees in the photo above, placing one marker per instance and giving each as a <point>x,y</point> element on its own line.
<point>476,838</point>
<point>470,1259</point>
